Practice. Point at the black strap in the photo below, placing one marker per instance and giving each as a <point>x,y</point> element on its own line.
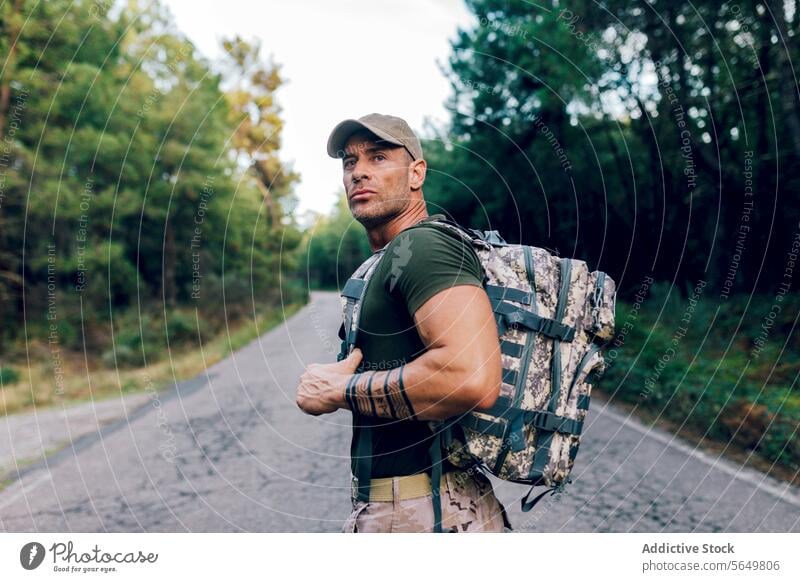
<point>435,452</point>
<point>547,421</point>
<point>482,425</point>
<point>514,434</point>
<point>500,293</point>
<point>353,292</point>
<point>353,288</point>
<point>511,348</point>
<point>579,368</point>
<point>508,315</point>
<point>541,419</point>
<point>528,505</point>
<point>544,437</point>
<point>363,454</point>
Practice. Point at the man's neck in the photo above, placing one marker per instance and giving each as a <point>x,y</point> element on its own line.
<point>380,235</point>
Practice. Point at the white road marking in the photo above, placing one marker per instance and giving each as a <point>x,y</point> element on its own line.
<point>786,492</point>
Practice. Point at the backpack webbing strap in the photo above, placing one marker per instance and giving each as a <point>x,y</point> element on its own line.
<point>508,315</point>
<point>353,292</point>
<point>573,451</point>
<point>589,353</point>
<point>549,422</point>
<point>541,420</point>
<point>483,426</point>
<point>361,448</point>
<point>511,348</point>
<point>544,438</point>
<point>510,376</point>
<point>353,288</point>
<point>361,453</point>
<point>514,436</point>
<point>363,458</point>
<point>501,293</point>
<point>435,452</point>
<point>528,505</point>
<point>597,298</point>
<point>474,236</point>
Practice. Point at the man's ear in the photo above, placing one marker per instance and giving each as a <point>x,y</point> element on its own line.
<point>417,170</point>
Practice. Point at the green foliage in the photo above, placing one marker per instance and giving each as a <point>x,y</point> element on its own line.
<point>708,374</point>
<point>565,134</point>
<point>334,247</point>
<point>141,339</point>
<point>8,375</point>
<point>120,184</point>
<point>652,140</point>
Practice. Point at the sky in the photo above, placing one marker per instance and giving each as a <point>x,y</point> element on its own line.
<point>339,59</point>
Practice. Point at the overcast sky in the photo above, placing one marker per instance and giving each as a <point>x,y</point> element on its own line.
<point>340,59</point>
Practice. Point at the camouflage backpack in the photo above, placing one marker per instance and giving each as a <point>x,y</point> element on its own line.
<point>552,317</point>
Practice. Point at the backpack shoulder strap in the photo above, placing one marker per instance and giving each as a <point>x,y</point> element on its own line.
<point>352,297</point>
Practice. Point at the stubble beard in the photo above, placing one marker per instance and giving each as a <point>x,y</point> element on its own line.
<point>377,212</point>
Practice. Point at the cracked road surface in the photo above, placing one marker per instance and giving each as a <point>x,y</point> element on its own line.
<point>230,451</point>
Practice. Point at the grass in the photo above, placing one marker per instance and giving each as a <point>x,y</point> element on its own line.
<point>86,377</point>
<point>709,371</point>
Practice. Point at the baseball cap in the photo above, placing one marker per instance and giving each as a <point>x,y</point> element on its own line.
<point>387,127</point>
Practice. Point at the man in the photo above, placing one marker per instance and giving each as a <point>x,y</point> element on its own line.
<point>427,339</point>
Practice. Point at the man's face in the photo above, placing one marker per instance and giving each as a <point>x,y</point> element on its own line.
<point>376,178</point>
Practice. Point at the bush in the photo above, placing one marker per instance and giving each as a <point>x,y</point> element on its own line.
<point>8,375</point>
<point>182,328</point>
<point>125,357</point>
<point>708,378</point>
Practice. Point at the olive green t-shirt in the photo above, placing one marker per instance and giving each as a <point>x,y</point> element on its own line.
<point>417,264</point>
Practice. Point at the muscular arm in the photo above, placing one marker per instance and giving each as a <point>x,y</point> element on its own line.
<point>460,370</point>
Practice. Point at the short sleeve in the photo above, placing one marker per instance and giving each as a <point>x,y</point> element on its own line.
<point>425,260</point>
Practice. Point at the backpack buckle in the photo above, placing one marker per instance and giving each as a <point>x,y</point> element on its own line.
<point>597,303</point>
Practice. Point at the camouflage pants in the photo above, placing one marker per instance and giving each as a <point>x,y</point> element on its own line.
<point>468,505</point>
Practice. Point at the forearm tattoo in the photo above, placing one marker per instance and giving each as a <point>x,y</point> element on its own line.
<point>381,396</point>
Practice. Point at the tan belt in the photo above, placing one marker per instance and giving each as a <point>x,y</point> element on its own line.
<point>409,487</point>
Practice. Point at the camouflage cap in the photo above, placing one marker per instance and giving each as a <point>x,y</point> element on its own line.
<point>387,127</point>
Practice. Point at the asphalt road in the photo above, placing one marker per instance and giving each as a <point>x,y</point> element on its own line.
<point>230,451</point>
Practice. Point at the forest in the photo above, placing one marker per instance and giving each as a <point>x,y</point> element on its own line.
<point>145,204</point>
